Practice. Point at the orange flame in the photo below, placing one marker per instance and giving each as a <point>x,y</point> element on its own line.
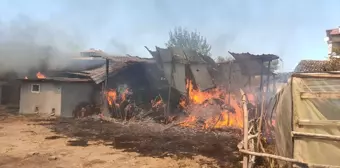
<point>225,118</point>
<point>40,75</point>
<point>188,122</point>
<point>111,96</point>
<point>125,92</point>
<point>156,103</point>
<point>251,98</point>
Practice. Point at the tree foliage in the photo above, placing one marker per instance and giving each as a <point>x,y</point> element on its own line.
<point>220,59</point>
<point>183,38</point>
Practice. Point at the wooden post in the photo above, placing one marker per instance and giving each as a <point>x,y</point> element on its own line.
<point>245,128</point>
<point>105,88</point>
<point>263,99</point>
<point>229,81</point>
<point>274,84</point>
<point>260,90</point>
<point>268,77</point>
<point>229,88</point>
<point>249,79</point>
<point>166,112</point>
<point>261,78</point>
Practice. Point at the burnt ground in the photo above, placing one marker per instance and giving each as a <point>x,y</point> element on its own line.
<point>44,142</point>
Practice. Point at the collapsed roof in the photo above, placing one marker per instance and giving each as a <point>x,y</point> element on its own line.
<point>85,69</point>
<point>252,65</point>
<point>56,79</point>
<point>116,64</point>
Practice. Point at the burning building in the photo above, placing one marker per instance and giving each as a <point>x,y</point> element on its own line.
<point>210,91</point>
<point>59,92</point>
<point>197,84</point>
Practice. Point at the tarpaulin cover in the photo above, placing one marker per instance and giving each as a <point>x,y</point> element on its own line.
<point>281,105</point>
<point>291,108</point>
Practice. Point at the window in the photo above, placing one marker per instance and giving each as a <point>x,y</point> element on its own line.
<point>35,88</point>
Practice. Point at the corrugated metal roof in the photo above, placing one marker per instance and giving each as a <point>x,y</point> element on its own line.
<point>177,54</point>
<point>310,66</point>
<point>116,64</point>
<point>57,79</point>
<point>251,65</point>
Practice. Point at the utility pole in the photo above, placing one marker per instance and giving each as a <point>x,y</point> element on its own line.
<point>106,103</point>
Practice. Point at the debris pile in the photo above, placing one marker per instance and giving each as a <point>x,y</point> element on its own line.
<point>215,108</point>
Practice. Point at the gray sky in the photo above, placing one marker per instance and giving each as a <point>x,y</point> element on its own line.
<point>294,30</point>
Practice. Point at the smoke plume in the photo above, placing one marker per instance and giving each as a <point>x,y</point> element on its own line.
<point>27,44</point>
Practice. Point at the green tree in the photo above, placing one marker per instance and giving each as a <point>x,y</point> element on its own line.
<point>183,38</point>
<point>220,59</point>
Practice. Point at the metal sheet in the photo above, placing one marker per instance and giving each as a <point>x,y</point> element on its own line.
<point>165,54</point>
<point>178,52</point>
<point>193,56</point>
<point>250,64</point>
<point>202,76</point>
<point>178,76</point>
<point>236,78</point>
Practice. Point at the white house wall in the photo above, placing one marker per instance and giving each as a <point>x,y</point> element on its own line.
<point>48,98</point>
<point>73,94</point>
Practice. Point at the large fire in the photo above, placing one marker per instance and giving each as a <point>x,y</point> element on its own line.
<point>40,75</point>
<point>225,117</point>
<point>228,113</point>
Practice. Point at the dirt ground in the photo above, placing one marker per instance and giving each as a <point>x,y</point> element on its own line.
<point>32,142</point>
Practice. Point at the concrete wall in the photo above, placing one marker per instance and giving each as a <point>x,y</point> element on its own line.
<point>48,98</point>
<point>335,38</point>
<point>73,94</point>
<point>63,97</point>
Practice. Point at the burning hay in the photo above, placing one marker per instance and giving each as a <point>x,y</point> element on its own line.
<point>121,104</point>
<point>211,109</point>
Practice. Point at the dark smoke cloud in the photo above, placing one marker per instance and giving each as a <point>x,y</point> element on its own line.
<point>27,44</point>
